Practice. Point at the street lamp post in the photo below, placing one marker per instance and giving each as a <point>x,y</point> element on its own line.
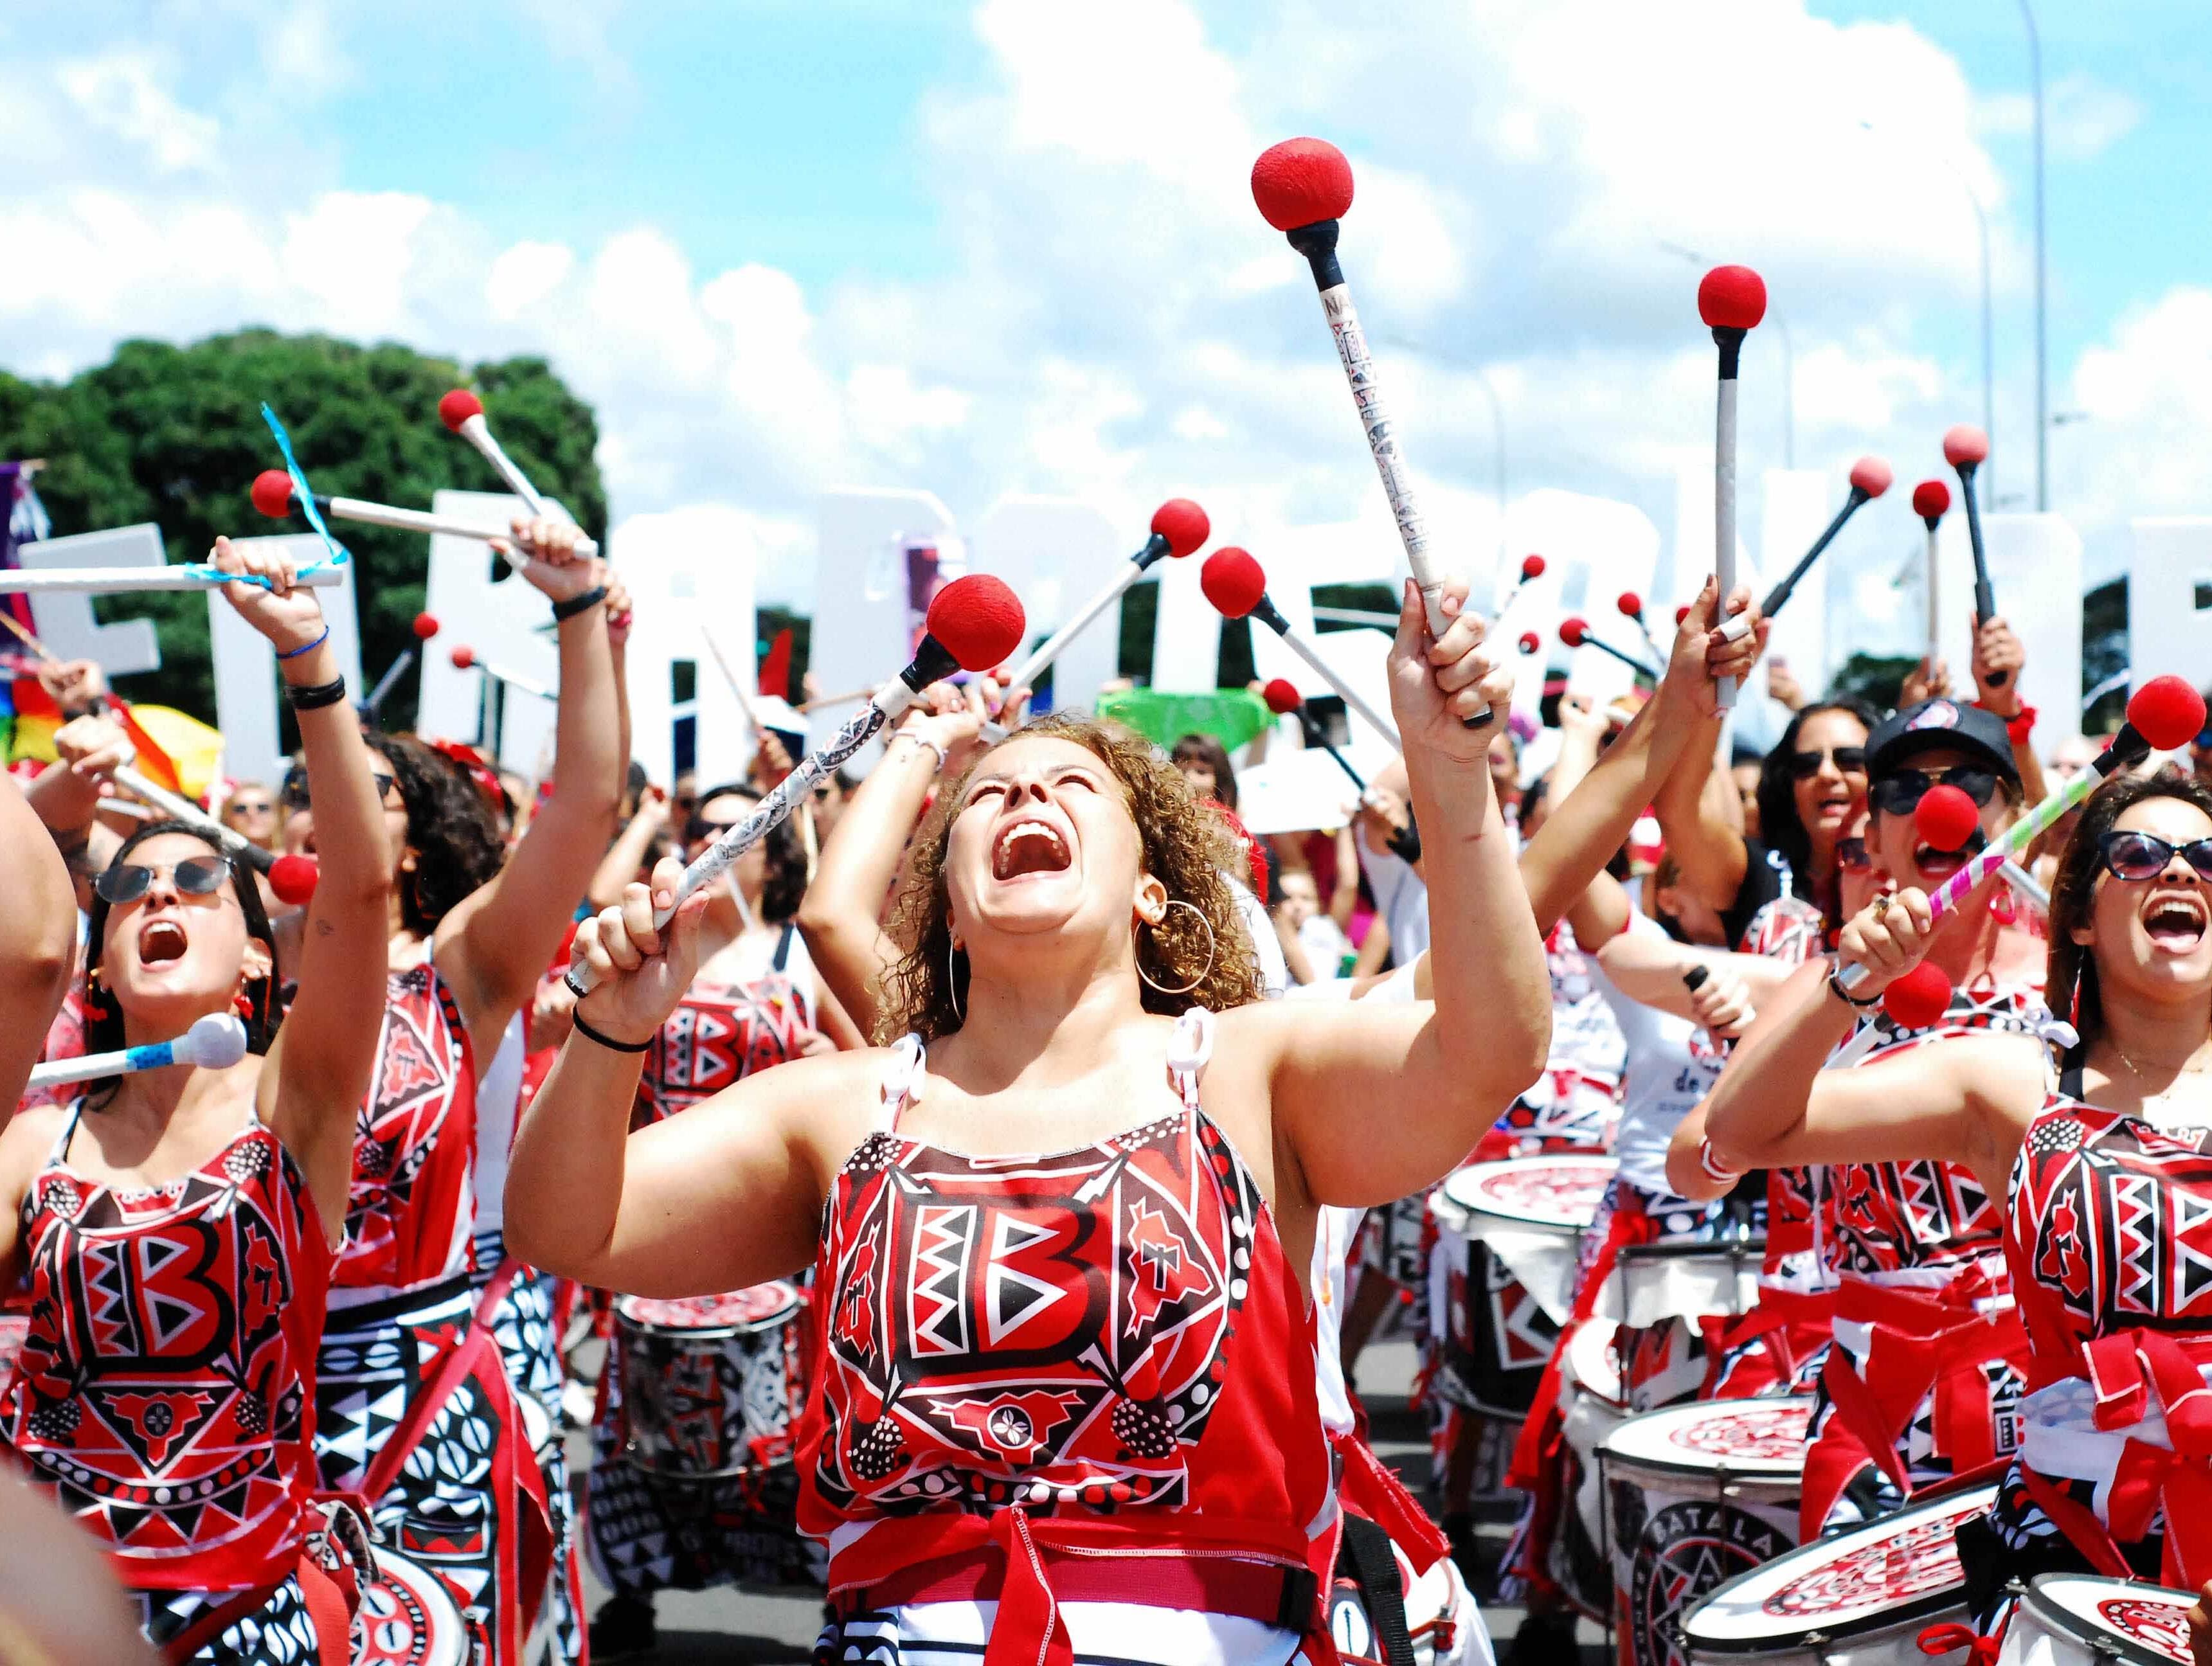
<point>2042,383</point>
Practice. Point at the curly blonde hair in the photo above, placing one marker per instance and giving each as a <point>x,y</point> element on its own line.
<point>1188,847</point>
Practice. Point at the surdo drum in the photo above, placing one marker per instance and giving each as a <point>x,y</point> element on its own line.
<point>407,1618</point>
<point>1501,1282</point>
<point>1695,1495</point>
<point>1590,1409</point>
<point>1858,1598</point>
<point>712,1386</point>
<point>1659,1292</point>
<point>2086,1620</point>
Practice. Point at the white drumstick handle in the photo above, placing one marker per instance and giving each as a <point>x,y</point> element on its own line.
<point>1935,634</point>
<point>519,684</point>
<point>1724,509</point>
<point>116,580</point>
<point>216,1042</point>
<point>405,520</point>
<point>477,432</point>
<point>1375,720</point>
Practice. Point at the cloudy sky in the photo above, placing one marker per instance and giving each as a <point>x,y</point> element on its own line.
<point>790,243</point>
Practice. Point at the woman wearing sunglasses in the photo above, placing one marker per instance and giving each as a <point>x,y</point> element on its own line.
<point>177,1225</point>
<point>1924,1378</point>
<point>468,927</point>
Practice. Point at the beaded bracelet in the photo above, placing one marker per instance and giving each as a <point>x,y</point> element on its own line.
<point>307,647</point>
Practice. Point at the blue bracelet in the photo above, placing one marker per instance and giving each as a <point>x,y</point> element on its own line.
<point>305,646</point>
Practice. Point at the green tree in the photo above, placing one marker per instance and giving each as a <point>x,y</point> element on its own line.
<point>1876,679</point>
<point>173,435</point>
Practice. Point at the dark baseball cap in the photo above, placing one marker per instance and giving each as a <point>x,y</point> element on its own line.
<point>1941,726</point>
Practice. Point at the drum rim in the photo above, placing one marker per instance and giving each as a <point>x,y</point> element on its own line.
<point>1662,1466</point>
<point>1597,1327</point>
<point>2047,1609</point>
<point>1611,1166</point>
<point>743,1327</point>
<point>1735,1250</point>
<point>430,1589</point>
<point>1911,1610</point>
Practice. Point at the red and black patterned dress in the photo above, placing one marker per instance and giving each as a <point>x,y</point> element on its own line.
<point>1068,1408</point>
<point>1923,1379</point>
<point>441,1456</point>
<point>2109,1232</point>
<point>163,1393</point>
<point>648,1533</point>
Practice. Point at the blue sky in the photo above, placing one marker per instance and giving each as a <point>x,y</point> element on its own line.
<point>1006,247</point>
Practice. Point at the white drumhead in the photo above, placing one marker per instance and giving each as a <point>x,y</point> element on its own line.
<point>2145,1624</point>
<point>1591,1365</point>
<point>733,1311</point>
<point>1743,1439</point>
<point>1902,1567</point>
<point>407,1618</point>
<point>1559,1193</point>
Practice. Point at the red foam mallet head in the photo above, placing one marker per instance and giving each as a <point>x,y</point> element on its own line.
<point>272,493</point>
<point>425,626</point>
<point>1532,567</point>
<point>2166,712</point>
<point>293,878</point>
<point>464,657</point>
<point>1300,181</point>
<point>1282,696</point>
<point>1234,582</point>
<point>1965,446</point>
<point>1681,613</point>
<point>1871,476</point>
<point>1930,499</point>
<point>457,407</point>
<point>1631,605</point>
<point>1945,818</point>
<point>1919,998</point>
<point>978,620</point>
<point>1530,641</point>
<point>1182,524</point>
<point>1572,631</point>
<point>1731,298</point>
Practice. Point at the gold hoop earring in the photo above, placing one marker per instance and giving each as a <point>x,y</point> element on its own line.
<point>952,980</point>
<point>1212,947</point>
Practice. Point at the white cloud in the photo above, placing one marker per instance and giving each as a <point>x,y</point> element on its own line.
<point>524,276</point>
<point>2082,116</point>
<point>122,96</point>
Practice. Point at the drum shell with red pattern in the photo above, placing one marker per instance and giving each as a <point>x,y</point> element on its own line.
<point>2086,1620</point>
<point>1861,1597</point>
<point>712,1385</point>
<point>407,1617</point>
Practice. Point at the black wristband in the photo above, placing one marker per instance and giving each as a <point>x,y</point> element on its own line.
<point>313,696</point>
<point>604,1040</point>
<point>1836,983</point>
<point>1404,842</point>
<point>563,612</point>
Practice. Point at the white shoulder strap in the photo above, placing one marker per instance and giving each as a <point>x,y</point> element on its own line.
<point>1188,1049</point>
<point>902,1081</point>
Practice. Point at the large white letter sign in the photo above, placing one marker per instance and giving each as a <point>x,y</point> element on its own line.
<point>63,619</point>
<point>690,575</point>
<point>2035,568</point>
<point>877,550</point>
<point>1056,553</point>
<point>246,666</point>
<point>509,624</point>
<point>2169,599</point>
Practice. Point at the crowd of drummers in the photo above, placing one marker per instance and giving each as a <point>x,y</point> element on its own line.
<point>974,1208</point>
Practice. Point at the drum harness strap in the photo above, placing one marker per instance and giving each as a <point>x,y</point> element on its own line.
<point>1366,1548</point>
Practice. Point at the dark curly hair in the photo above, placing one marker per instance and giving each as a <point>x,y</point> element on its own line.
<point>103,1018</point>
<point>452,825</point>
<point>1778,825</point>
<point>785,885</point>
<point>2072,976</point>
<point>1186,847</point>
<point>1206,749</point>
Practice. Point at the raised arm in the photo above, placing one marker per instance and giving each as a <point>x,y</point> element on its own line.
<point>38,941</point>
<point>626,857</point>
<point>1999,658</point>
<point>1650,969</point>
<point>492,947</point>
<point>1331,1066</point>
<point>1708,847</point>
<point>320,1065</point>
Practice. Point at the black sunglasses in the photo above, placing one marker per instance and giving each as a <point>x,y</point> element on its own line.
<point>126,882</point>
<point>700,829</point>
<point>296,789</point>
<point>1901,794</point>
<point>1849,761</point>
<point>1851,855</point>
<point>2137,857</point>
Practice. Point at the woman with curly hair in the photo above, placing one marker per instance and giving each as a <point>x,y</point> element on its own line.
<point>471,930</point>
<point>1062,1222</point>
<point>177,1225</point>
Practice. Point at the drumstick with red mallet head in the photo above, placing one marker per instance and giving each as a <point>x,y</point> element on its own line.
<point>1915,1002</point>
<point>1931,498</point>
<point>1965,448</point>
<point>276,496</point>
<point>425,626</point>
<point>1303,187</point>
<point>1576,633</point>
<point>1237,585</point>
<point>974,623</point>
<point>1284,700</point>
<point>292,878</point>
<point>1632,608</point>
<point>466,658</point>
<point>1179,527</point>
<point>464,413</point>
<point>1731,301</point>
<point>1530,641</point>
<point>1871,478</point>
<point>2164,714</point>
<point>1532,569</point>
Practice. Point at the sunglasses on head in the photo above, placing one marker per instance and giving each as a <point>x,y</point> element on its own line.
<point>1849,761</point>
<point>2137,857</point>
<point>1901,794</point>
<point>126,882</point>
